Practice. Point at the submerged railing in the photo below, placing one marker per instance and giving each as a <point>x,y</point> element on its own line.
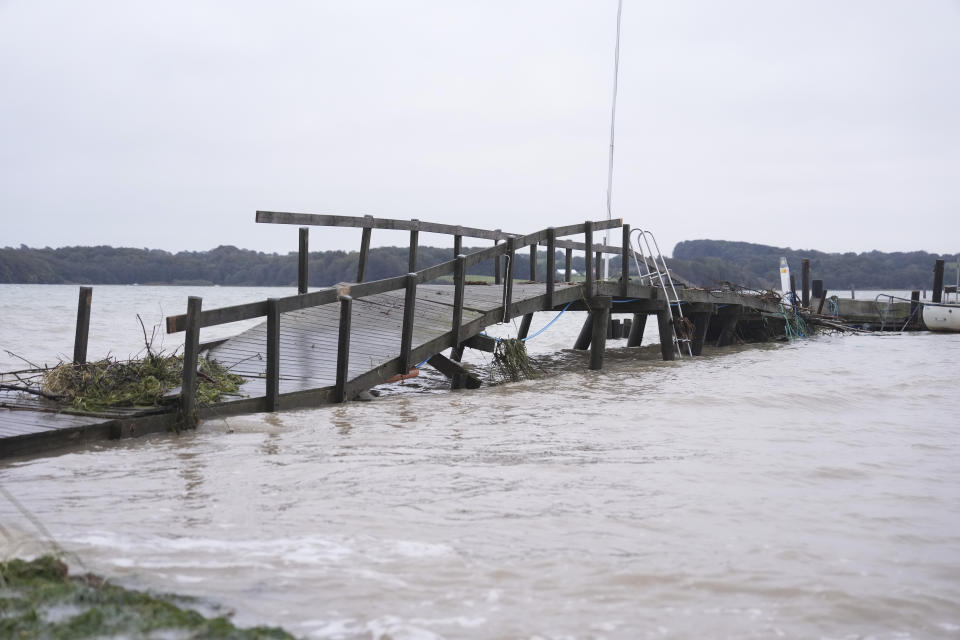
<point>272,308</point>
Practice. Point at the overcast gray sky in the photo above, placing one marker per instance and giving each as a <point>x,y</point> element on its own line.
<point>831,125</point>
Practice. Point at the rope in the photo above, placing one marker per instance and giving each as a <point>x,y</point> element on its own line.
<point>547,326</point>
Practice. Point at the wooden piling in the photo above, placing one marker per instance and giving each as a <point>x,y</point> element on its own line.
<point>665,326</point>
<point>273,355</point>
<point>817,289</point>
<point>625,262</point>
<point>914,303</point>
<point>191,349</point>
<point>793,290</point>
<point>589,288</point>
<point>364,253</point>
<point>598,266</point>
<point>625,326</point>
<point>937,295</point>
<point>459,282</point>
<point>600,310</point>
<point>701,322</point>
<point>823,298</point>
<point>586,331</point>
<point>525,326</point>
<point>303,260</point>
<point>409,311</point>
<point>805,283</point>
<point>82,335</point>
<point>508,287</point>
<point>551,265</point>
<point>343,349</point>
<point>414,248</point>
<point>637,327</point>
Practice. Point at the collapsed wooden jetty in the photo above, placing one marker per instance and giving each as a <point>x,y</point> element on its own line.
<point>331,344</point>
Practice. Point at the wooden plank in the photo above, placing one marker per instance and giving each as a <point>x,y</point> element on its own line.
<point>311,219</point>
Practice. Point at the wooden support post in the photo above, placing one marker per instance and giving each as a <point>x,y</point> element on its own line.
<point>793,290</point>
<point>600,306</point>
<point>551,265</point>
<point>701,321</point>
<point>191,349</point>
<point>817,289</point>
<point>343,349</point>
<point>533,263</point>
<point>273,354</point>
<point>914,303</point>
<point>625,262</point>
<point>805,283</point>
<point>460,377</point>
<point>511,258</point>
<point>588,259</point>
<point>598,266</point>
<point>823,299</point>
<point>82,336</point>
<point>667,351</point>
<point>457,246</point>
<point>303,260</point>
<point>586,331</point>
<point>853,293</point>
<point>728,326</point>
<point>414,247</point>
<point>409,311</point>
<point>497,278</point>
<point>525,326</point>
<point>364,253</point>
<point>637,327</point>
<point>937,281</point>
<point>568,265</point>
<point>459,283</point>
<point>625,325</point>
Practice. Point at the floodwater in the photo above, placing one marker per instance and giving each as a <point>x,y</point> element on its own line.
<point>799,490</point>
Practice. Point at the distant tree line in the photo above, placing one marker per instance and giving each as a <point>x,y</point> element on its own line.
<point>757,265</point>
<point>704,262</point>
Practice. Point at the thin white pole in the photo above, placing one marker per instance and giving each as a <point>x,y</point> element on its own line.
<point>613,121</point>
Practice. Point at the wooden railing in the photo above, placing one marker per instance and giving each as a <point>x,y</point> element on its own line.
<point>196,318</point>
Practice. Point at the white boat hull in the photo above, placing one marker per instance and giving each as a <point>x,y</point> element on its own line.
<point>942,318</point>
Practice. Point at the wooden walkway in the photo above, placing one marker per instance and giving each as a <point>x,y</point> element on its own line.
<point>332,344</point>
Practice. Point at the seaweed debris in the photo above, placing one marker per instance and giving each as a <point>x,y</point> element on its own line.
<point>511,361</point>
<point>38,599</point>
<point>145,382</point>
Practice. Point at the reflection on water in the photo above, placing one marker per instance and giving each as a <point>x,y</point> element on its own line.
<point>796,490</point>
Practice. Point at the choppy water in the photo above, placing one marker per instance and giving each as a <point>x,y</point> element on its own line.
<point>789,490</point>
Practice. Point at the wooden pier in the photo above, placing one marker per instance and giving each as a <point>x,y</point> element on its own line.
<point>331,344</point>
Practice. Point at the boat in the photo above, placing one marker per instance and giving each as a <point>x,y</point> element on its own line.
<point>943,316</point>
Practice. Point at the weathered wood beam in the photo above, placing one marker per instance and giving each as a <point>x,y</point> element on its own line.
<point>455,371</point>
<point>82,335</point>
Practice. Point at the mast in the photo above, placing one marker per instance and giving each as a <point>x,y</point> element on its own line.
<point>613,121</point>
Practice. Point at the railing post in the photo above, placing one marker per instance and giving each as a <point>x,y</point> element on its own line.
<point>508,285</point>
<point>303,259</point>
<point>568,265</point>
<point>409,309</point>
<point>191,349</point>
<point>497,279</point>
<point>83,326</point>
<point>273,354</point>
<point>551,264</point>
<point>457,245</point>
<point>459,282</point>
<point>805,283</point>
<point>364,253</point>
<point>598,266</point>
<point>414,242</point>
<point>588,258</point>
<point>343,349</point>
<point>625,262</point>
<point>533,262</point>
<point>937,295</point>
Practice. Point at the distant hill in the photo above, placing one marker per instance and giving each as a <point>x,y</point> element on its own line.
<point>704,262</point>
<point>757,265</point>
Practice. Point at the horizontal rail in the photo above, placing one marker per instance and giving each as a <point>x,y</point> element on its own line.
<point>369,222</point>
<point>252,310</point>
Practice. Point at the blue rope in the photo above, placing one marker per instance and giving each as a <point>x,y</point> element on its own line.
<point>547,326</point>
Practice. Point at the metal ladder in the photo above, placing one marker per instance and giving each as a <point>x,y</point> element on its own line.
<point>659,275</point>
